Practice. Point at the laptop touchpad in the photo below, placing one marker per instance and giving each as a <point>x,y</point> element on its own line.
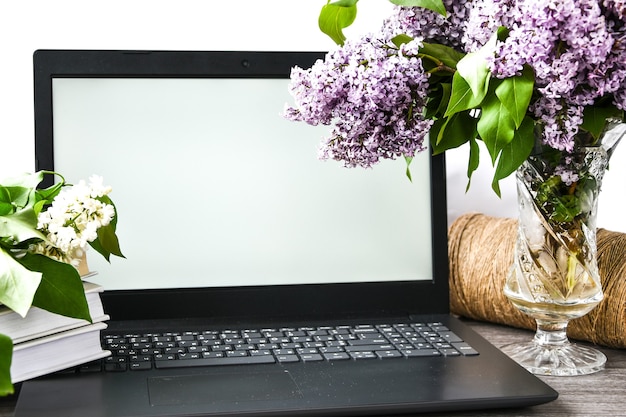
<point>222,387</point>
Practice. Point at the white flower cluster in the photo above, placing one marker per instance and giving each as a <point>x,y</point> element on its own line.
<point>73,219</point>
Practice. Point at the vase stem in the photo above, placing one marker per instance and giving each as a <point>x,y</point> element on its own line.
<point>551,333</point>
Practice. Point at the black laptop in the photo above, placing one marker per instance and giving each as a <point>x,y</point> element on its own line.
<point>277,284</point>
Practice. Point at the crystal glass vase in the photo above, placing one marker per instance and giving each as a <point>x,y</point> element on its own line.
<point>554,277</point>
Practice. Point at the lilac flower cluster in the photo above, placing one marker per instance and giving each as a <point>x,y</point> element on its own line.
<point>578,54</point>
<point>485,17</point>
<point>431,26</point>
<point>374,95</point>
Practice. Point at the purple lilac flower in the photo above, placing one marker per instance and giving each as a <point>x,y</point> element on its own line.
<point>431,26</point>
<point>485,16</point>
<point>567,174</point>
<point>367,89</point>
<point>577,53</point>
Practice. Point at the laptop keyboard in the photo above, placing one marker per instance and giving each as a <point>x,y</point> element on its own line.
<point>278,345</point>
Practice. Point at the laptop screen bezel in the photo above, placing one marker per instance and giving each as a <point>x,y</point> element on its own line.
<point>346,299</point>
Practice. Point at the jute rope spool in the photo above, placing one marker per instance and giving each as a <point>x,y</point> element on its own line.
<point>481,252</point>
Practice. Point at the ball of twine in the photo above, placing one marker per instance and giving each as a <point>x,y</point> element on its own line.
<point>481,250</point>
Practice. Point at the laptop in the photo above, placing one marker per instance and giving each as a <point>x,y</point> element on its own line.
<point>231,226</point>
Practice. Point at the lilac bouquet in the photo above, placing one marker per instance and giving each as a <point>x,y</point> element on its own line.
<point>464,71</point>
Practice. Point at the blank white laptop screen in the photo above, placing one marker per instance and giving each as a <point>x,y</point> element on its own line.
<point>215,188</point>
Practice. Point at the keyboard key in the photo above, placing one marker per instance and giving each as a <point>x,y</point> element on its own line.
<point>139,366</point>
<point>365,348</point>
<point>336,356</point>
<point>465,349</point>
<point>311,357</point>
<point>287,358</point>
<point>450,336</point>
<point>420,352</point>
<point>216,361</point>
<point>384,354</point>
<point>363,355</point>
<point>375,341</point>
<point>449,352</point>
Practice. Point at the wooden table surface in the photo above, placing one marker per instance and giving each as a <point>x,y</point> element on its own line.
<point>596,395</point>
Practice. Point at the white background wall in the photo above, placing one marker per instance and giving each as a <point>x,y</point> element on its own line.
<point>27,25</point>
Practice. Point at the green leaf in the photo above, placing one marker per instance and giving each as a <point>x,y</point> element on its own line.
<point>334,17</point>
<point>457,130</point>
<point>107,243</point>
<point>401,39</point>
<point>473,162</point>
<point>6,203</point>
<point>408,160</point>
<point>515,94</point>
<point>20,226</point>
<point>473,68</point>
<point>439,97</point>
<point>46,196</point>
<point>19,191</point>
<point>61,290</point>
<point>448,56</point>
<point>6,354</point>
<point>29,180</point>
<point>433,134</point>
<point>595,118</point>
<point>434,5</point>
<point>515,153</point>
<point>496,127</point>
<point>461,97</point>
<point>17,197</point>
<point>446,92</point>
<point>17,284</point>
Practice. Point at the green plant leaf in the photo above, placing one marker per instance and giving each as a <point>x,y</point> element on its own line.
<point>461,97</point>
<point>473,68</point>
<point>439,97</point>
<point>515,93</point>
<point>515,153</point>
<point>21,226</point>
<point>17,197</point>
<point>19,191</point>
<point>496,127</point>
<point>433,134</point>
<point>401,39</point>
<point>448,56</point>
<point>46,196</point>
<point>434,5</point>
<point>61,290</point>
<point>28,181</point>
<point>6,203</point>
<point>107,243</point>
<point>457,130</point>
<point>334,17</point>
<point>17,284</point>
<point>408,160</point>
<point>473,161</point>
<point>595,118</point>
<point>6,354</point>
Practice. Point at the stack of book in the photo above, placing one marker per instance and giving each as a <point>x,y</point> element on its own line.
<point>45,342</point>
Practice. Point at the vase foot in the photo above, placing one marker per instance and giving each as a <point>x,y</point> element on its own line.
<point>558,360</point>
